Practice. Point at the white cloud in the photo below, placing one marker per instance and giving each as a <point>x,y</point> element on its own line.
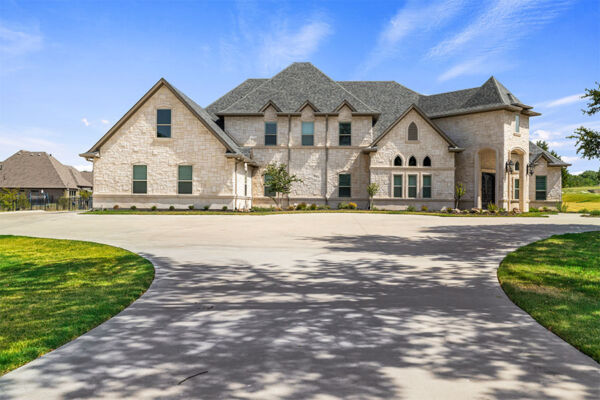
<point>500,27</point>
<point>84,167</point>
<point>85,121</point>
<point>16,42</point>
<point>562,101</point>
<point>105,121</point>
<point>570,159</point>
<point>412,19</point>
<point>281,47</point>
<point>542,134</point>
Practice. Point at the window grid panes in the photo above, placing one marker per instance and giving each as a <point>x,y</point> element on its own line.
<point>163,123</point>
<point>268,191</point>
<point>412,186</point>
<point>413,132</point>
<point>308,133</point>
<point>540,187</point>
<point>184,179</point>
<point>397,185</point>
<point>345,185</point>
<point>426,186</point>
<point>140,179</point>
<point>270,133</point>
<point>345,133</point>
<point>516,191</point>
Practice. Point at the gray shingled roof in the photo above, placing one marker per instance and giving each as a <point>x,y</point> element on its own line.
<point>39,170</point>
<point>535,152</point>
<point>233,95</point>
<point>292,87</point>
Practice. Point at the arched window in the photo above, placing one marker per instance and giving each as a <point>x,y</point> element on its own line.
<point>517,166</point>
<point>413,132</point>
<point>427,162</point>
<point>397,161</point>
<point>412,161</point>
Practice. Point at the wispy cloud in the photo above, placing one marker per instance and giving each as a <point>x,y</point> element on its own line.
<point>84,167</point>
<point>570,159</point>
<point>498,28</point>
<point>105,121</point>
<point>18,42</point>
<point>282,46</point>
<point>412,19</point>
<point>562,101</point>
<point>85,121</point>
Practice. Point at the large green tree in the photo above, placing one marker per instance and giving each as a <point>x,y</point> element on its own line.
<point>588,140</point>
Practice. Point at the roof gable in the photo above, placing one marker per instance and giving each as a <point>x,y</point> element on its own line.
<point>200,113</point>
<point>292,87</point>
<point>536,152</point>
<point>38,170</point>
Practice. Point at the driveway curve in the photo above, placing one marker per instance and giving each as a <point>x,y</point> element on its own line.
<point>313,306</point>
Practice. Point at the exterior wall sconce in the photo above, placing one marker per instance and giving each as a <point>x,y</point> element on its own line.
<point>530,168</point>
<point>509,166</point>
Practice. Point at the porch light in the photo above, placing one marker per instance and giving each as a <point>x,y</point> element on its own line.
<point>510,166</point>
<point>530,168</point>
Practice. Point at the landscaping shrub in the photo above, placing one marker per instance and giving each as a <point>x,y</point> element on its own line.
<point>342,206</point>
<point>562,207</point>
<point>153,208</point>
<point>313,206</point>
<point>191,207</point>
<point>224,208</point>
<point>63,203</point>
<point>352,206</point>
<point>133,208</point>
<point>410,209</point>
<point>115,207</point>
<point>595,213</point>
<point>424,208</point>
<point>546,209</point>
<point>585,211</point>
<point>491,207</point>
<point>324,207</point>
<point>533,209</point>
<point>206,207</point>
<point>291,208</point>
<point>301,206</point>
<point>171,208</point>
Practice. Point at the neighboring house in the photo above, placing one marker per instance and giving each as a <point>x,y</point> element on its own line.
<point>336,136</point>
<point>41,176</point>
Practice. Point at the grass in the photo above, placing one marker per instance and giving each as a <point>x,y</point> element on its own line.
<point>52,291</point>
<point>263,212</point>
<point>579,198</point>
<point>557,281</point>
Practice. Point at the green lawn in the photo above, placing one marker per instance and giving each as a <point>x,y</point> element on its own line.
<point>262,212</point>
<point>580,198</point>
<point>52,291</point>
<point>557,281</point>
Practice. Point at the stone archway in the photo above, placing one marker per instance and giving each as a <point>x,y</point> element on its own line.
<point>486,177</point>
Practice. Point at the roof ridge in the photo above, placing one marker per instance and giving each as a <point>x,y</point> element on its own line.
<point>232,89</point>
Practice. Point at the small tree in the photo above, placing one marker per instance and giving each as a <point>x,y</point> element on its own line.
<point>372,190</point>
<point>278,182</point>
<point>8,198</point>
<point>459,192</point>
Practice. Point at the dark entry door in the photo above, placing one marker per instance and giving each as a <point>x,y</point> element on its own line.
<point>488,189</point>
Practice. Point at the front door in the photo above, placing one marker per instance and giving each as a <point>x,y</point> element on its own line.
<point>488,189</point>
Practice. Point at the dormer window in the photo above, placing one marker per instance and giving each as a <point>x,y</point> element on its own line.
<point>397,161</point>
<point>517,123</point>
<point>163,123</point>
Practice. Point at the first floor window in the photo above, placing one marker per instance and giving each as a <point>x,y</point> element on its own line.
<point>412,186</point>
<point>517,188</point>
<point>345,185</point>
<point>308,134</point>
<point>345,133</point>
<point>163,123</point>
<point>72,193</point>
<point>184,179</point>
<point>397,185</point>
<point>540,188</point>
<point>426,186</point>
<point>269,192</point>
<point>270,133</point>
<point>140,179</point>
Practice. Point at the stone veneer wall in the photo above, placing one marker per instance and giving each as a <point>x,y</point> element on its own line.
<point>430,144</point>
<point>191,144</point>
<point>553,185</point>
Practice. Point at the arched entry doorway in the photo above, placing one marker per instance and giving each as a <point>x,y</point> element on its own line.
<point>486,176</point>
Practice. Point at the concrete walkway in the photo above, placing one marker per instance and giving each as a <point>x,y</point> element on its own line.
<point>317,306</point>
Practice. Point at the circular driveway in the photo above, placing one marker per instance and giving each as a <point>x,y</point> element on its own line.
<point>313,306</point>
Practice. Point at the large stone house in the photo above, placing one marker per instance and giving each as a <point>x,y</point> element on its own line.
<point>337,136</point>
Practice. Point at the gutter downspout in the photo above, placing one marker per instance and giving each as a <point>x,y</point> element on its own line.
<point>235,187</point>
<point>326,158</point>
<point>289,151</point>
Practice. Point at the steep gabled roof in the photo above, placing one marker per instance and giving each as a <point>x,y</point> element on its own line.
<point>292,87</point>
<point>200,113</point>
<point>39,170</point>
<point>535,152</point>
<point>233,95</point>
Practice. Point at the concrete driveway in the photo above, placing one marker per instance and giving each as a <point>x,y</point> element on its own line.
<point>316,306</point>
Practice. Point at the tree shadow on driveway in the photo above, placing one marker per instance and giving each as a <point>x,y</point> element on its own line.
<point>372,317</point>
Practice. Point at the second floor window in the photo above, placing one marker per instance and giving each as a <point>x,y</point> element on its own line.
<point>517,123</point>
<point>184,179</point>
<point>163,123</point>
<point>308,134</point>
<point>413,131</point>
<point>270,133</point>
<point>345,134</point>
<point>140,179</point>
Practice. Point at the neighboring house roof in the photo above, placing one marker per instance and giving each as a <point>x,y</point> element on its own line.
<point>199,112</point>
<point>291,88</point>
<point>39,170</point>
<point>535,152</point>
<point>88,176</point>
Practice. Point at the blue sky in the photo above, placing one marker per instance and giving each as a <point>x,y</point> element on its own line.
<point>69,70</point>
